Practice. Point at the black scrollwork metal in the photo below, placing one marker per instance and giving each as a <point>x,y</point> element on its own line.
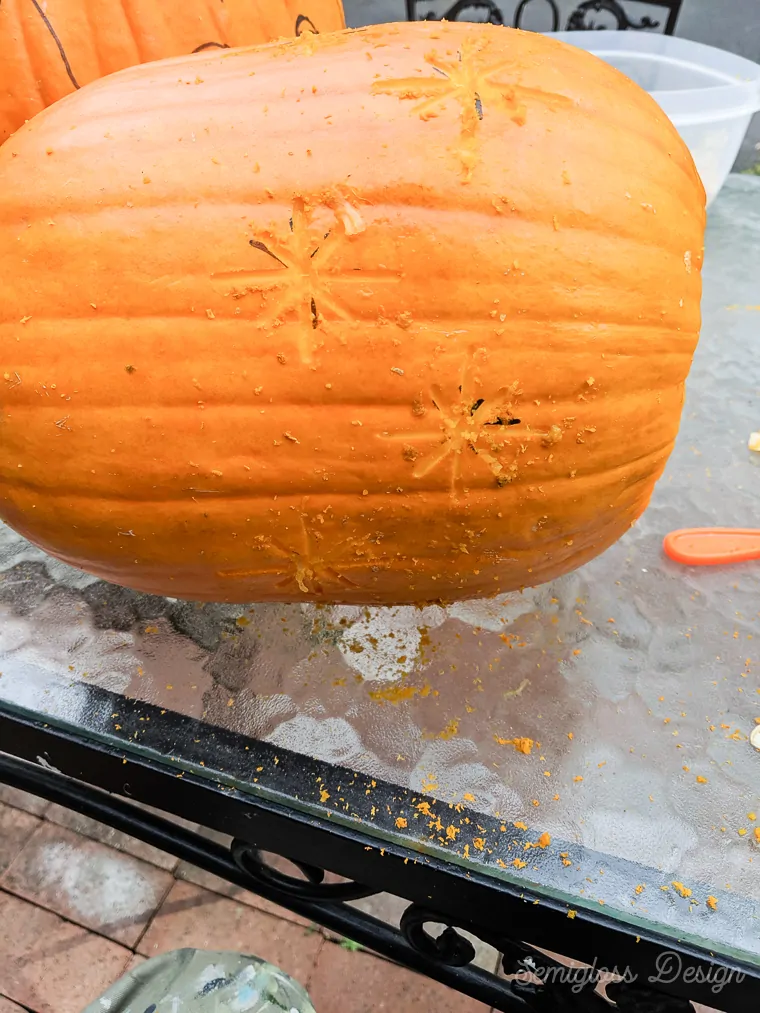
<point>630,998</point>
<point>521,9</point>
<point>536,981</point>
<point>249,860</point>
<point>493,13</point>
<point>581,19</point>
<point>547,986</point>
<point>450,947</point>
<point>460,11</point>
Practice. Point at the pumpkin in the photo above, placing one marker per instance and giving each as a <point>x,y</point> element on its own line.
<point>393,315</point>
<point>49,49</point>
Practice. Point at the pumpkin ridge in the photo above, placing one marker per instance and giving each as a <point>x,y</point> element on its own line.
<point>29,52</point>
<point>425,325</point>
<point>558,403</point>
<point>416,213</point>
<point>135,30</point>
<point>95,48</point>
<point>211,8</point>
<point>60,491</point>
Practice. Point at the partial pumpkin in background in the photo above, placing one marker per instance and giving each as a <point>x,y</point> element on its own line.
<point>383,316</point>
<point>49,48</point>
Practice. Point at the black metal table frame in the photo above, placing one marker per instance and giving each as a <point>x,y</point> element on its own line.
<point>581,18</point>
<point>88,775</point>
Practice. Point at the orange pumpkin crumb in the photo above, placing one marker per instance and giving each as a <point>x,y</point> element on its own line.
<point>522,745</point>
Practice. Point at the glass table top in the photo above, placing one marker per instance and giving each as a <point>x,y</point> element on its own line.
<point>587,739</point>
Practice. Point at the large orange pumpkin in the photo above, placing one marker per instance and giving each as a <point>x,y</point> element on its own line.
<point>49,48</point>
<point>381,316</point>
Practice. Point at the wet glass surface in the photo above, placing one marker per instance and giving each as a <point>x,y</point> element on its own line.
<point>604,719</point>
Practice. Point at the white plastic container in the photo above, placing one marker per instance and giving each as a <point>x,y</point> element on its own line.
<point>709,94</point>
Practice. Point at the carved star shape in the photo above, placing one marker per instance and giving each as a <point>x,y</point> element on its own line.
<point>469,80</point>
<point>297,276</point>
<point>315,562</point>
<point>469,424</point>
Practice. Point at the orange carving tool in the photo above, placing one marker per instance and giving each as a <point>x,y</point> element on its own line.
<point>711,546</point>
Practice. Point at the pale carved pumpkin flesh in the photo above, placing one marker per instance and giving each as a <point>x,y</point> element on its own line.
<point>392,315</point>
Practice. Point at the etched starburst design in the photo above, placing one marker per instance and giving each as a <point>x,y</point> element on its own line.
<point>316,562</point>
<point>297,276</point>
<point>470,80</point>
<point>470,425</point>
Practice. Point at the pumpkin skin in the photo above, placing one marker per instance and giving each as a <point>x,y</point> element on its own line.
<point>323,333</point>
<point>48,50</point>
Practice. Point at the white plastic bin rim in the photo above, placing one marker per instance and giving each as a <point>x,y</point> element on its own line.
<point>736,91</point>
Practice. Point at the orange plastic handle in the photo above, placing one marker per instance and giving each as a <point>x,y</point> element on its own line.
<point>710,546</point>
